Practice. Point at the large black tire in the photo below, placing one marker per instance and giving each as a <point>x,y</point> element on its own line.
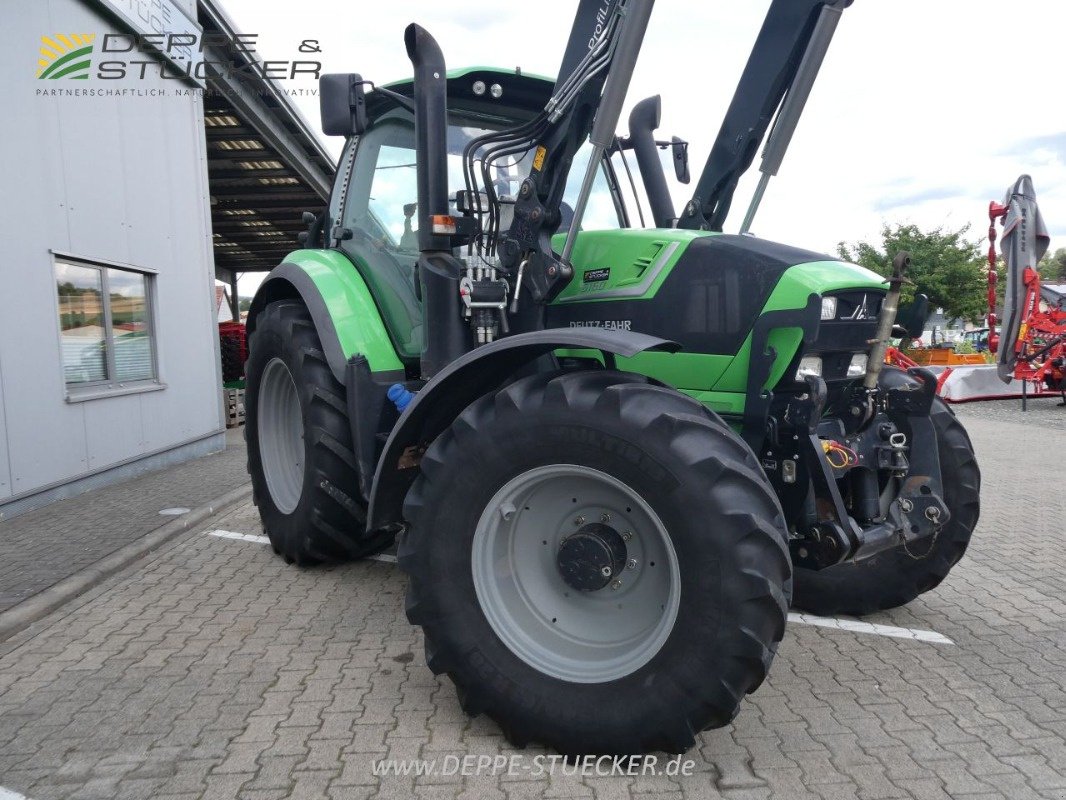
<point>895,577</point>
<point>328,522</point>
<point>714,503</point>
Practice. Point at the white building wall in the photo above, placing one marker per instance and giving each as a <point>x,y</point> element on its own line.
<point>120,179</point>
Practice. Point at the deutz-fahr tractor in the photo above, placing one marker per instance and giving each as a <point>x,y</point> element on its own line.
<point>610,456</point>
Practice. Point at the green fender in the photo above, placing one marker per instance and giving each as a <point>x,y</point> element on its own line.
<point>343,310</point>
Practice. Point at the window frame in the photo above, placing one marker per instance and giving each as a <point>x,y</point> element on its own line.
<point>109,386</point>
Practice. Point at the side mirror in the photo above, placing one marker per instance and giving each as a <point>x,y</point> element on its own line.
<point>342,102</point>
<point>679,151</point>
<point>913,317</point>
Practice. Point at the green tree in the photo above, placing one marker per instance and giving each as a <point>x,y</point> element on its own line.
<point>945,265</point>
<point>1052,266</point>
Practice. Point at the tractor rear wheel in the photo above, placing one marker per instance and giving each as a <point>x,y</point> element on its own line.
<point>598,563</point>
<point>895,577</point>
<point>300,443</point>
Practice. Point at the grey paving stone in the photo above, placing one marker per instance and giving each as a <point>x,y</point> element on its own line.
<point>41,547</point>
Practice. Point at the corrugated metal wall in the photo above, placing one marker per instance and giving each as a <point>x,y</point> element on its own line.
<point>115,178</point>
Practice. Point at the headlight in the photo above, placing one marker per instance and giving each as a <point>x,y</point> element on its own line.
<point>809,365</point>
<point>857,366</point>
<point>829,308</point>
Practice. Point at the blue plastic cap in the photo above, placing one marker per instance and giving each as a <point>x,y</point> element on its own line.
<point>400,397</point>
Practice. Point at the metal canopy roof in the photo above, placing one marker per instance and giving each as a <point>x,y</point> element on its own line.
<point>265,166</point>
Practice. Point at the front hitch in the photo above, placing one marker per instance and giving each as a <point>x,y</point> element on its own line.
<point>886,444</point>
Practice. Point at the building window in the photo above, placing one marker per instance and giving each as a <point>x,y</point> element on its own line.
<point>105,323</point>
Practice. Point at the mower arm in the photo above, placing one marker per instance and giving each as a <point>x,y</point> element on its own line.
<point>462,382</point>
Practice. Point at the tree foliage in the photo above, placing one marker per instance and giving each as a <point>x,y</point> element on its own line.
<point>1052,266</point>
<point>945,265</point>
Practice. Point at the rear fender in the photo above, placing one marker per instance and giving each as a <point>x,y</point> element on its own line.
<point>466,379</point>
<point>340,304</point>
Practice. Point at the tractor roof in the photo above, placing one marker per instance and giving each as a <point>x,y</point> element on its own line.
<point>523,94</point>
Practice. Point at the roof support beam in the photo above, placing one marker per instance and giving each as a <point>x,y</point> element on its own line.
<point>256,113</point>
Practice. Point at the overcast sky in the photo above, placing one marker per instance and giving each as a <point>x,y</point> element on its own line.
<point>924,110</point>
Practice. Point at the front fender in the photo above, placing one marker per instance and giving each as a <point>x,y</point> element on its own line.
<point>346,318</point>
<point>466,379</point>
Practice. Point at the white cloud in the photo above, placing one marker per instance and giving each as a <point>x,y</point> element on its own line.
<point>926,103</point>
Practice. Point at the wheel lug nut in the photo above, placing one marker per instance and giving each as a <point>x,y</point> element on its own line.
<point>606,572</point>
<point>579,521</point>
<point>627,536</point>
<point>605,517</point>
<point>616,585</point>
<point>631,564</point>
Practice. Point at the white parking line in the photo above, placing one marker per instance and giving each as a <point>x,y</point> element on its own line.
<point>851,625</point>
<point>8,794</point>
<point>854,626</point>
<point>244,537</point>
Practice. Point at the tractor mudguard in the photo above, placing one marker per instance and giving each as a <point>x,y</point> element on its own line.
<point>341,306</point>
<point>467,378</point>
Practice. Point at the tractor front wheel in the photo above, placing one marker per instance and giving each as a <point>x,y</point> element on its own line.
<point>598,563</point>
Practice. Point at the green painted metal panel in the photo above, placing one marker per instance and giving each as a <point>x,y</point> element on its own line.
<point>351,306</point>
<point>639,261</point>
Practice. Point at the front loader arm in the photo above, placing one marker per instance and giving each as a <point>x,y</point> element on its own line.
<point>779,74</point>
<point>588,96</point>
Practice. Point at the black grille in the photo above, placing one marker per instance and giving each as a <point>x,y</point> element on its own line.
<point>864,305</point>
<point>849,332</point>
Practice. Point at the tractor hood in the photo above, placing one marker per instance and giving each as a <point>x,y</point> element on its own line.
<point>702,289</point>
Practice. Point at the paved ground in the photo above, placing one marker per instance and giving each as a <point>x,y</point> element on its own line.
<point>1044,412</point>
<point>86,528</point>
<point>215,671</point>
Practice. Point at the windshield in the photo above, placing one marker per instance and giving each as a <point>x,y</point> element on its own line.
<point>383,196</point>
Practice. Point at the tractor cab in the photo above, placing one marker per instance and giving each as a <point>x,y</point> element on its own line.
<point>373,213</point>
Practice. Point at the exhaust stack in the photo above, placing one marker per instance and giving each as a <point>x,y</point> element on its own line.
<point>643,120</point>
<point>431,133</point>
<point>444,336</point>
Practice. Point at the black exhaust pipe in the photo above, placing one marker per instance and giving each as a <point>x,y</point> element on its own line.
<point>643,120</point>
<point>431,133</point>
<point>444,335</point>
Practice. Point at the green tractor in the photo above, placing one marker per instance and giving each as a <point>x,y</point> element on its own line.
<point>610,456</point>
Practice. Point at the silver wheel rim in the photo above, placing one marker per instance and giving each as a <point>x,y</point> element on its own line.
<point>579,636</point>
<point>281,436</point>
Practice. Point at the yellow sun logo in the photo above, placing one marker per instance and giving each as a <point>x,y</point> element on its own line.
<point>65,55</point>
